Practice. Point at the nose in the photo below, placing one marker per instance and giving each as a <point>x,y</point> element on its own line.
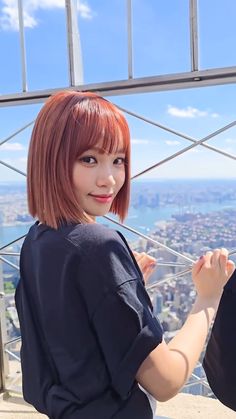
<point>106,177</point>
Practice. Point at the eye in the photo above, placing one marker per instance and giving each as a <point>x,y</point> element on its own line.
<point>119,161</point>
<point>88,159</point>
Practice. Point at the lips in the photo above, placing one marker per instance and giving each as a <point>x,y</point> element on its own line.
<point>102,198</point>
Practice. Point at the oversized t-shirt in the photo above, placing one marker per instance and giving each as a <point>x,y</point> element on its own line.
<point>86,323</point>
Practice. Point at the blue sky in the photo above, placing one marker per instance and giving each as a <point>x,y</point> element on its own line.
<point>160,46</point>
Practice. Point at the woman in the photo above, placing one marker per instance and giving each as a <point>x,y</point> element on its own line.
<point>91,347</point>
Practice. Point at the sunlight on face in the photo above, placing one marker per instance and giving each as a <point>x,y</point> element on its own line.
<point>98,176</point>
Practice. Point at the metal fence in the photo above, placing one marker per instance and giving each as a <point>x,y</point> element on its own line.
<point>195,77</point>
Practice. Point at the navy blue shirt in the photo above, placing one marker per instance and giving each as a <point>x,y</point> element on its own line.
<point>86,323</point>
<point>220,357</point>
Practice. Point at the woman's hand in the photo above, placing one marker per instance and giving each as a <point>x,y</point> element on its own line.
<point>146,264</point>
<point>211,272</point>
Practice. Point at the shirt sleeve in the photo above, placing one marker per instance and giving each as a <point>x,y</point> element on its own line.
<point>127,332</point>
<point>219,362</point>
<point>118,305</point>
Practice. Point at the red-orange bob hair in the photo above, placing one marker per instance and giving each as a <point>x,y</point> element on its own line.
<point>68,124</point>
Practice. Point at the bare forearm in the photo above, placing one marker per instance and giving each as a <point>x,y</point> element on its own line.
<point>168,367</point>
<point>188,344</point>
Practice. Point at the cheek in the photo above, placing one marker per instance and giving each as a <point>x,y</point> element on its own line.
<point>122,178</point>
<point>76,182</point>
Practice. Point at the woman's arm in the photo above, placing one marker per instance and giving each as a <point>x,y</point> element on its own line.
<point>168,367</point>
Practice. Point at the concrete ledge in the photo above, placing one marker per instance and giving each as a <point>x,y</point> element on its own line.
<point>183,406</point>
<point>187,406</point>
<point>13,406</point>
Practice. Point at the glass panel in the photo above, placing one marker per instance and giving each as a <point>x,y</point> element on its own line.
<point>161,37</point>
<point>104,41</point>
<point>217,33</point>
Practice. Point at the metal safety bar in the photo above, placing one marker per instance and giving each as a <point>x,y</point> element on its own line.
<point>193,34</point>
<point>22,45</point>
<point>179,134</point>
<point>9,254</point>
<point>195,78</point>
<point>129,37</point>
<point>176,275</point>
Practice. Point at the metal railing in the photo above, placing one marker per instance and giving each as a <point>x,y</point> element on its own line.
<point>194,78</point>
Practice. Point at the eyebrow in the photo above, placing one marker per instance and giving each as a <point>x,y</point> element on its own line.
<point>102,151</point>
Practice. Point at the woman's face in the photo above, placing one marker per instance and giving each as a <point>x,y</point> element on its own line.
<point>97,179</point>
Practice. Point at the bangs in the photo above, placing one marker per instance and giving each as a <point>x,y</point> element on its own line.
<point>104,126</point>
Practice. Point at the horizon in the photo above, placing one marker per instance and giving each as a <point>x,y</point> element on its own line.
<point>225,179</point>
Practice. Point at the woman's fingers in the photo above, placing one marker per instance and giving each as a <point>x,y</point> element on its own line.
<point>146,263</point>
<point>211,272</point>
<point>198,265</point>
<point>230,267</point>
<point>223,259</point>
<point>215,258</point>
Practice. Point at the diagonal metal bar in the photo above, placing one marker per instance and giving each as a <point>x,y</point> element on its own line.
<point>174,252</point>
<point>16,132</point>
<point>168,278</point>
<point>9,166</point>
<point>195,142</point>
<point>169,264</point>
<point>200,378</point>
<point>177,133</point>
<point>9,263</point>
<point>13,355</point>
<point>197,381</point>
<point>178,274</point>
<point>12,242</point>
<point>9,254</point>
<point>183,150</point>
<point>14,340</point>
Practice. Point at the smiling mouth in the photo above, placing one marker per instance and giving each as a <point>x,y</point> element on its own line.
<point>102,198</point>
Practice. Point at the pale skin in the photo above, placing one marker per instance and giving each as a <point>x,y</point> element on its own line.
<point>97,178</point>
<point>168,367</point>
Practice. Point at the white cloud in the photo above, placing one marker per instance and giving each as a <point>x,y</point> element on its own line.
<point>12,147</point>
<point>189,112</point>
<point>139,141</point>
<point>172,142</point>
<point>85,11</point>
<point>9,12</point>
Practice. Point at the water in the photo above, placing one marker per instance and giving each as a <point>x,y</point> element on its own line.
<point>144,218</point>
